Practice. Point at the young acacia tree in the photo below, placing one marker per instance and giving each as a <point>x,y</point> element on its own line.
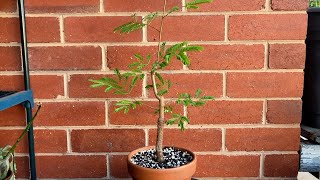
<point>126,81</point>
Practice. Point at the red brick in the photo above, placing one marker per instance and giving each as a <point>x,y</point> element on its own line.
<point>10,59</point>
<point>268,27</point>
<point>227,166</point>
<point>14,116</point>
<point>284,112</point>
<point>71,166</point>
<point>133,117</point>
<point>202,139</point>
<point>98,29</point>
<point>228,57</point>
<point>8,6</point>
<point>39,30</point>
<point>227,112</point>
<point>71,114</point>
<point>79,87</point>
<point>121,56</point>
<point>282,165</point>
<point>287,56</point>
<point>118,166</point>
<point>107,140</point>
<point>287,5</point>
<point>263,139</point>
<point>44,86</point>
<point>137,5</point>
<point>264,84</point>
<point>211,84</point>
<point>22,163</point>
<point>190,28</point>
<point>46,141</point>
<point>75,6</point>
<point>65,58</point>
<point>233,5</point>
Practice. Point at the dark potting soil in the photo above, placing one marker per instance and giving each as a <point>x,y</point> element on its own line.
<point>173,158</point>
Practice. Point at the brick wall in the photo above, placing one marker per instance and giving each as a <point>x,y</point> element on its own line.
<point>252,64</point>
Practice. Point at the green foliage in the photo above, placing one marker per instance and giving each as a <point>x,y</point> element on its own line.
<point>126,105</point>
<point>180,119</point>
<point>187,100</point>
<point>194,4</point>
<point>314,3</point>
<point>149,66</point>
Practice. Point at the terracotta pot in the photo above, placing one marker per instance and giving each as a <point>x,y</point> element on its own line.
<point>181,173</point>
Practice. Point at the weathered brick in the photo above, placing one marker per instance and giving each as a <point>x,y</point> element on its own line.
<point>14,116</point>
<point>287,5</point>
<point>71,114</point>
<point>228,166</point>
<point>137,5</point>
<point>268,27</point>
<point>107,140</point>
<point>118,166</point>
<point>281,165</point>
<point>22,163</point>
<point>71,166</point>
<point>227,112</point>
<point>210,83</point>
<point>190,28</point>
<point>121,56</point>
<point>8,6</point>
<point>65,58</point>
<point>98,29</point>
<point>46,141</point>
<point>39,29</point>
<point>10,58</point>
<point>224,57</point>
<point>61,6</point>
<point>44,86</point>
<point>232,5</point>
<point>202,139</point>
<point>287,56</point>
<point>284,112</point>
<point>263,139</point>
<point>79,87</point>
<point>264,84</point>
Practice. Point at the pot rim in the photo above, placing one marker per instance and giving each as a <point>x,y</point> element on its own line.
<point>194,160</point>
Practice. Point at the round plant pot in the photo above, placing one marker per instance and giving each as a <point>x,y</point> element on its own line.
<point>184,172</point>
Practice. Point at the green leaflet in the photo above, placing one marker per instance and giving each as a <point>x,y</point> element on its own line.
<point>194,4</point>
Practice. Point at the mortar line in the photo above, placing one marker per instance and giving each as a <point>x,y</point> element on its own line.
<point>108,166</point>
<point>109,72</point>
<point>144,84</point>
<point>69,145</point>
<point>107,120</point>
<point>226,28</point>
<point>182,13</point>
<point>144,32</point>
<point>264,112</point>
<point>101,6</point>
<point>104,55</point>
<point>66,79</point>
<point>126,127</point>
<point>229,153</point>
<point>146,132</point>
<point>154,100</point>
<point>223,132</point>
<point>262,158</point>
<point>224,86</point>
<point>183,3</point>
<point>268,6</point>
<point>266,56</point>
<point>244,42</point>
<point>61,23</point>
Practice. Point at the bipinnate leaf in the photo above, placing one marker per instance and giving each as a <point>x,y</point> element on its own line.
<point>194,4</point>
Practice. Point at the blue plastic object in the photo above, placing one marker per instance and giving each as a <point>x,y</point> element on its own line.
<point>12,99</point>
